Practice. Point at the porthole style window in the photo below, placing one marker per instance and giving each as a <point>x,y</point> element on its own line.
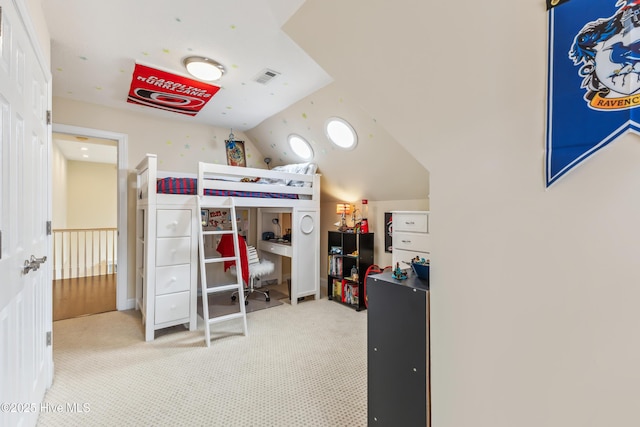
<point>341,133</point>
<point>300,147</point>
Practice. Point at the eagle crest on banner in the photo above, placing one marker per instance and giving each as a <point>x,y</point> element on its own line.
<point>594,79</point>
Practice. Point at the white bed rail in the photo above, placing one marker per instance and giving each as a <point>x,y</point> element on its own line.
<point>221,177</point>
<point>146,172</point>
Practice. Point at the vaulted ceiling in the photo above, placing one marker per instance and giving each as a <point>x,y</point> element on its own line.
<point>94,54</point>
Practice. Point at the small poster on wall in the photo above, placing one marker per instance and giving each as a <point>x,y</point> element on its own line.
<point>388,223</point>
<point>235,153</point>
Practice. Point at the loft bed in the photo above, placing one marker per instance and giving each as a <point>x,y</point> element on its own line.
<point>250,187</point>
<point>165,200</point>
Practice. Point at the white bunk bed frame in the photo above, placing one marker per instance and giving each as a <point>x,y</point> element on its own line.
<point>305,221</point>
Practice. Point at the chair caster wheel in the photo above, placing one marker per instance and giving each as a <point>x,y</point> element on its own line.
<point>246,302</point>
<point>233,297</point>
<point>268,299</point>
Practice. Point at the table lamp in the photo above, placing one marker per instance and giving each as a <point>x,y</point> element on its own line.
<point>343,209</point>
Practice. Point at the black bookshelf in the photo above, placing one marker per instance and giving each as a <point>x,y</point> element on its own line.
<point>347,251</point>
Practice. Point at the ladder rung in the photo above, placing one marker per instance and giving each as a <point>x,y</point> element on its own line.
<point>222,288</point>
<point>204,203</point>
<point>220,259</point>
<point>216,232</point>
<point>225,317</point>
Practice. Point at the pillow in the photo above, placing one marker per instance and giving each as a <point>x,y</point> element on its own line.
<point>302,168</point>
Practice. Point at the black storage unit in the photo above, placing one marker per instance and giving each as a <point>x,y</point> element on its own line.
<point>348,250</point>
<point>398,351</point>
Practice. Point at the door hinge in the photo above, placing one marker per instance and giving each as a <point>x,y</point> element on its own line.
<point>48,228</point>
<point>48,117</point>
<point>48,338</point>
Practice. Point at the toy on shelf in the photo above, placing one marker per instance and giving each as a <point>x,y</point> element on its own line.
<point>398,273</point>
<point>420,266</point>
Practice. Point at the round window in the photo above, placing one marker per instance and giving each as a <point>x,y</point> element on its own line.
<point>341,133</point>
<point>300,147</point>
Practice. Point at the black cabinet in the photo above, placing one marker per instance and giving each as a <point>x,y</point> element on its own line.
<point>398,351</point>
<point>350,255</point>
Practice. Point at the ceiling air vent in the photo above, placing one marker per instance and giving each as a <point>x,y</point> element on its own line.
<point>266,76</point>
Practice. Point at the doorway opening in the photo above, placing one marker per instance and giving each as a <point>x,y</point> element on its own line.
<point>89,206</point>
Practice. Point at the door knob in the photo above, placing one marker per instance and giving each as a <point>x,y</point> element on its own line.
<point>29,265</point>
<point>38,260</point>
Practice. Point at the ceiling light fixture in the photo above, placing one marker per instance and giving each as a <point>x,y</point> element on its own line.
<point>203,68</point>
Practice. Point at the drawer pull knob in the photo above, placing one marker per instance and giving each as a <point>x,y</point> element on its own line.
<point>406,241</point>
<point>173,279</point>
<point>409,222</point>
<point>174,224</point>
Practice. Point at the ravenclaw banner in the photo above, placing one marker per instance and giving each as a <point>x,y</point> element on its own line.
<point>594,79</point>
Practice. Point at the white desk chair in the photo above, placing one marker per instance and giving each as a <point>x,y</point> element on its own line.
<point>257,268</point>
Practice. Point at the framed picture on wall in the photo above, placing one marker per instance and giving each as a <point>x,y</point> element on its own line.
<point>235,153</point>
<point>388,228</point>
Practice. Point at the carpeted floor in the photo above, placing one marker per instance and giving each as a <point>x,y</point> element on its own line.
<point>221,304</point>
<point>302,365</point>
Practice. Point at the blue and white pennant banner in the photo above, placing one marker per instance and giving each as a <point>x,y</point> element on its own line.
<point>594,79</point>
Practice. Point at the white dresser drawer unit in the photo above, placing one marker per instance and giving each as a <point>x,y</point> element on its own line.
<point>411,221</point>
<point>173,222</point>
<point>411,241</point>
<point>275,248</point>
<point>172,307</point>
<point>173,250</point>
<point>167,264</point>
<point>410,237</point>
<point>174,278</point>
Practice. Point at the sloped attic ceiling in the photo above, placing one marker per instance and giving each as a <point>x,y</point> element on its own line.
<point>370,171</point>
<point>92,62</point>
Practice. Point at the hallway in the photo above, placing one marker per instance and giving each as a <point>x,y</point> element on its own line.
<point>82,296</point>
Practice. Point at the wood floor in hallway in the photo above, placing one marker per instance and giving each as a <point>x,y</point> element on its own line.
<point>83,295</point>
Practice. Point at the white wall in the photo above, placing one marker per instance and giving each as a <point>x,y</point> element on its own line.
<point>92,190</point>
<point>534,302</point>
<point>59,186</point>
<point>179,144</point>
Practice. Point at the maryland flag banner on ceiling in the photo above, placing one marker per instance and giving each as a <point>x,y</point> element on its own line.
<point>594,79</point>
<point>167,91</point>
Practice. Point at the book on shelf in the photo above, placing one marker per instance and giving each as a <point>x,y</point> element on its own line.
<point>337,289</point>
<point>335,265</point>
<point>350,294</point>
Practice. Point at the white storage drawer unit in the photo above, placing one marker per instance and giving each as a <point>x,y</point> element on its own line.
<point>411,241</point>
<point>275,248</point>
<point>172,307</point>
<point>173,278</point>
<point>412,221</point>
<point>173,222</point>
<point>410,236</point>
<point>173,250</point>
<point>168,242</point>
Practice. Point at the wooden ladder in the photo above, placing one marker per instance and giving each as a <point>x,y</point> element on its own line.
<point>237,286</point>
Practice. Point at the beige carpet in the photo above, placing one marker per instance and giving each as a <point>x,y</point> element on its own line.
<point>302,365</point>
<point>221,304</point>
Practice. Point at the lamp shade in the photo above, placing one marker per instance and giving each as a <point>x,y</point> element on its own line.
<point>343,208</point>
<point>203,68</point>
